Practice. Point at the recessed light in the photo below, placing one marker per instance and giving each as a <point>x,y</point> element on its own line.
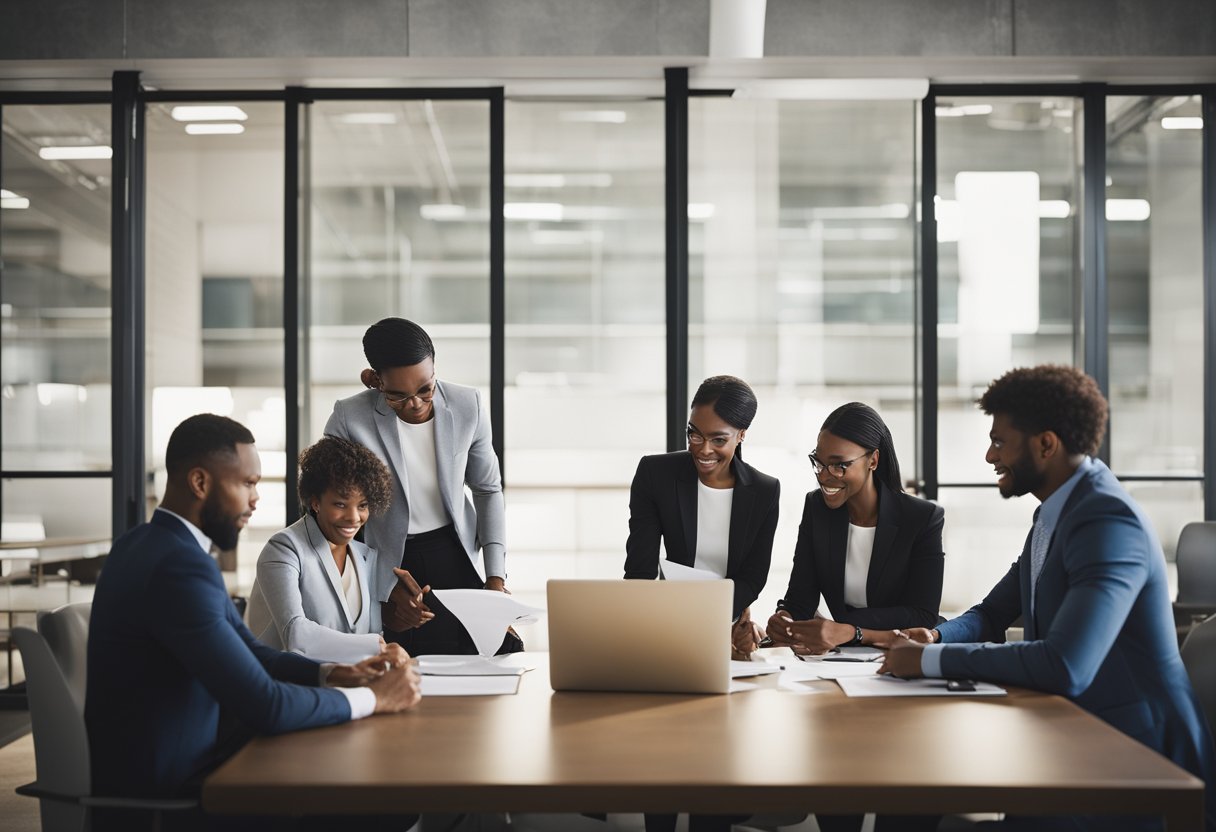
<point>208,112</point>
<point>367,118</point>
<point>93,151</point>
<point>1182,123</point>
<point>214,129</point>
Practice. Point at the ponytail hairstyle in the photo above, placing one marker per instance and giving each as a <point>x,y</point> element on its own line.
<point>732,400</point>
<point>859,423</point>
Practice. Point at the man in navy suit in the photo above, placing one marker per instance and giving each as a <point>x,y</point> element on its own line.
<point>168,651</point>
<point>1090,587</point>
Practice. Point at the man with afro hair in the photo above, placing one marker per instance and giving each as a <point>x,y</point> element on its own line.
<point>1089,585</point>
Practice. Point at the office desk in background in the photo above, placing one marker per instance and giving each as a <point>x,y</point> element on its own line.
<point>762,750</point>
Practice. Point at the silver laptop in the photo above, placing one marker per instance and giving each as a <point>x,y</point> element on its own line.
<point>656,636</point>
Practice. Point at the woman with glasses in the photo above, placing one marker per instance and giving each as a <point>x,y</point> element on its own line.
<point>873,553</point>
<point>311,595</point>
<point>711,509</point>
<point>447,517</point>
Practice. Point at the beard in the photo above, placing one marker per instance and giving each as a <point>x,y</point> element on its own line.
<point>1023,478</point>
<point>222,529</point>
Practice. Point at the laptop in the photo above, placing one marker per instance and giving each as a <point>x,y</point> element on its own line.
<point>652,636</point>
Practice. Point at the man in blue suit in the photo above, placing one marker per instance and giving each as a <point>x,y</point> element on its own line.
<point>1090,587</point>
<point>168,651</point>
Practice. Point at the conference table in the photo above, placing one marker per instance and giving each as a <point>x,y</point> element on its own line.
<point>765,750</point>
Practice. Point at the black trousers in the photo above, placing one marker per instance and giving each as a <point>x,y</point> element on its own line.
<point>437,558</point>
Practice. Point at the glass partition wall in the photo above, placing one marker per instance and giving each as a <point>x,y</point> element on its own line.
<point>802,275</point>
<point>803,279</point>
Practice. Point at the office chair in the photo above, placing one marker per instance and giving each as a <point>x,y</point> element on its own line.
<point>1196,559</point>
<point>54,659</point>
<point>1199,656</point>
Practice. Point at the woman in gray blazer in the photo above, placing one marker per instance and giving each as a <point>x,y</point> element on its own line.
<point>312,592</point>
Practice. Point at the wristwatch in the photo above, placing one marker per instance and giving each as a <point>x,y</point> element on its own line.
<point>855,640</point>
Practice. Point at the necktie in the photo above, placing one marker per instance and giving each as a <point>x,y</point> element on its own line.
<point>1038,553</point>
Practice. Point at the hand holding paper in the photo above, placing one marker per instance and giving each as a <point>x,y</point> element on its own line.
<point>486,615</point>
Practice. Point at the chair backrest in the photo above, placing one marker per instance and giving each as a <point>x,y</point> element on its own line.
<point>1196,556</point>
<point>1199,656</point>
<point>61,745</point>
<point>66,631</point>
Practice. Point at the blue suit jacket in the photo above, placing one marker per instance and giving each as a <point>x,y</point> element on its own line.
<point>1102,631</point>
<point>167,651</point>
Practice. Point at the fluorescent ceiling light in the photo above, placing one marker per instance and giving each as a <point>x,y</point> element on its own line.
<point>835,89</point>
<point>92,151</point>
<point>594,116</point>
<point>8,199</point>
<point>890,211</point>
<point>368,118</point>
<point>558,180</point>
<point>1054,209</point>
<point>1182,123</point>
<point>442,211</point>
<point>6,194</point>
<point>963,110</point>
<point>208,112</point>
<point>1127,210</point>
<point>546,211</point>
<point>700,210</point>
<point>214,129</point>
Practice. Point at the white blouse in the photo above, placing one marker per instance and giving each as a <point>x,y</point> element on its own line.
<point>857,564</point>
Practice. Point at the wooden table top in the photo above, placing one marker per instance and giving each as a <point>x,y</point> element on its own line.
<point>762,750</point>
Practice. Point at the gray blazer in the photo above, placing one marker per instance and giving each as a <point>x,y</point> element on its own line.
<point>464,456</point>
<point>297,602</point>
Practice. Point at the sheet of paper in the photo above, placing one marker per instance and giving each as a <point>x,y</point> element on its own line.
<point>441,665</point>
<point>844,670</point>
<point>673,571</point>
<point>890,686</point>
<point>740,670</point>
<point>327,645</point>
<point>469,685</point>
<point>486,614</point>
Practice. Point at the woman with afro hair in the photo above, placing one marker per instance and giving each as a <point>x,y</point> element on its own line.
<point>311,595</point>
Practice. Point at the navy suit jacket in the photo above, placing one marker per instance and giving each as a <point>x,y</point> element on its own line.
<point>1101,633</point>
<point>904,582</point>
<point>167,651</point>
<point>663,504</point>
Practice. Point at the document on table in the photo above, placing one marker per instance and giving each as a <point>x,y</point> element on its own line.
<point>469,685</point>
<point>890,686</point>
<point>486,614</point>
<point>673,571</point>
<point>760,667</point>
<point>444,665</point>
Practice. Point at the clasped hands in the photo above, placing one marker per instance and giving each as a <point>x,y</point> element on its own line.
<point>815,636</point>
<point>405,609</point>
<point>391,674</point>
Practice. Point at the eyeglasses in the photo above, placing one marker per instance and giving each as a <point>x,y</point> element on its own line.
<point>695,437</point>
<point>834,468</point>
<point>397,399</point>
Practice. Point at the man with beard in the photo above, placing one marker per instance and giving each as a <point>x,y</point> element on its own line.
<point>168,651</point>
<point>1090,587</point>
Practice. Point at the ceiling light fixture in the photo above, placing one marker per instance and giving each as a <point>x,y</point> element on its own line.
<point>208,112</point>
<point>594,116</point>
<point>8,199</point>
<point>91,151</point>
<point>1127,210</point>
<point>442,211</point>
<point>1182,123</point>
<point>367,118</point>
<point>214,129</point>
<point>544,211</point>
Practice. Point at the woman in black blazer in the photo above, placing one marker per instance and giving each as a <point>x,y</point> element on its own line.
<point>712,511</point>
<point>873,553</point>
<point>668,489</point>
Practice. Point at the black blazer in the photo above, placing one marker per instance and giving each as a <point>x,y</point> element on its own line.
<point>663,503</point>
<point>904,585</point>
